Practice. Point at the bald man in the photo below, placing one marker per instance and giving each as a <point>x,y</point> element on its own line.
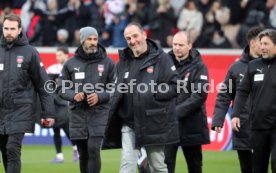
<point>143,118</point>
<point>190,108</point>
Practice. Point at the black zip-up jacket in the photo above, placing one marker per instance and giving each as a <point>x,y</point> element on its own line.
<point>86,72</point>
<point>154,113</point>
<point>227,95</point>
<point>22,76</point>
<point>190,108</point>
<point>259,81</point>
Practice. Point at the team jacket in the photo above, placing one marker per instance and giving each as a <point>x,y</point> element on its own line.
<point>22,76</point>
<point>154,113</point>
<point>259,81</point>
<point>190,109</point>
<point>84,71</point>
<point>227,94</point>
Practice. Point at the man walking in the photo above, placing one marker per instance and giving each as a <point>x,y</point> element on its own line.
<point>62,118</point>
<point>190,104</point>
<point>141,117</point>
<point>89,107</point>
<point>22,77</point>
<point>241,139</point>
<point>259,82</point>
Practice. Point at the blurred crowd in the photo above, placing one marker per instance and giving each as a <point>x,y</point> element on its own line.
<point>211,23</point>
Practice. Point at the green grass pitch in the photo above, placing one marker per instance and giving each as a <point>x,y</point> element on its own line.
<point>35,160</point>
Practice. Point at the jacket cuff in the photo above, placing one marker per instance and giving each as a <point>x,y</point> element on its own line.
<point>69,95</point>
<point>103,97</point>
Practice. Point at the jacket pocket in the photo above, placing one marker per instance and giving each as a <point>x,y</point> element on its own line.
<point>23,101</point>
<point>156,120</point>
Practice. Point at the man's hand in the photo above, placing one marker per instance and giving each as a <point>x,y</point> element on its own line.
<point>48,122</point>
<point>79,97</point>
<point>236,124</point>
<point>92,99</point>
<point>218,129</point>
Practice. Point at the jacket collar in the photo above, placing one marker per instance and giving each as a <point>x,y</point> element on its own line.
<point>194,57</point>
<point>100,54</point>
<point>21,41</point>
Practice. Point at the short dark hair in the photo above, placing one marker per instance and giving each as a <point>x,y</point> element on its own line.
<point>13,17</point>
<point>63,49</point>
<point>271,33</point>
<point>138,25</point>
<point>254,32</point>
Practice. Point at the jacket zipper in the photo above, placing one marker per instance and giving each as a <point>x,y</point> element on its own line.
<point>9,68</point>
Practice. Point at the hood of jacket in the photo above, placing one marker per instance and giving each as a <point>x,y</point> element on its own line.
<point>194,57</point>
<point>21,41</point>
<point>246,57</point>
<point>100,54</point>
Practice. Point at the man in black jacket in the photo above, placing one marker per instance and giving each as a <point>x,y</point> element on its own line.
<point>22,77</point>
<point>259,82</point>
<point>62,119</point>
<point>83,82</point>
<point>227,94</point>
<point>190,106</point>
<point>143,115</point>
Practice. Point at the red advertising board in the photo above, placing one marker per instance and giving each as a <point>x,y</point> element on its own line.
<point>217,61</point>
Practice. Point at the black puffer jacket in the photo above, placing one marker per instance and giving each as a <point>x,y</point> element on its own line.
<point>190,109</point>
<point>154,113</point>
<point>84,71</point>
<point>258,82</point>
<point>241,139</point>
<point>22,76</point>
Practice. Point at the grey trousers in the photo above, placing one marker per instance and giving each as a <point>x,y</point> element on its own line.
<point>155,154</point>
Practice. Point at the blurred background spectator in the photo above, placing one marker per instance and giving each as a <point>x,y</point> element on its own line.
<point>211,23</point>
<point>161,21</point>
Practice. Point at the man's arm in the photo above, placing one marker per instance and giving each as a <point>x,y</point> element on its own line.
<point>39,78</point>
<point>242,94</point>
<point>225,95</point>
<point>65,86</point>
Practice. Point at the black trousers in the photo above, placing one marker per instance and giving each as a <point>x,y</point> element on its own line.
<point>245,159</point>
<point>89,151</point>
<point>192,154</point>
<point>57,137</point>
<point>10,146</point>
<point>264,145</point>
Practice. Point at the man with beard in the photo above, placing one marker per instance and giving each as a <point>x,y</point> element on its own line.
<point>259,82</point>
<point>190,104</point>
<point>143,116</point>
<point>22,77</point>
<point>83,82</point>
<point>227,94</point>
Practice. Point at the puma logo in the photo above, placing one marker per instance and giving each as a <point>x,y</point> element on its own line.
<point>260,70</point>
<point>77,69</point>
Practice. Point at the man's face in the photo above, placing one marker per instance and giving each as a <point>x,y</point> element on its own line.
<point>11,31</point>
<point>181,47</point>
<point>90,44</point>
<point>61,57</point>
<point>268,49</point>
<point>136,39</point>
